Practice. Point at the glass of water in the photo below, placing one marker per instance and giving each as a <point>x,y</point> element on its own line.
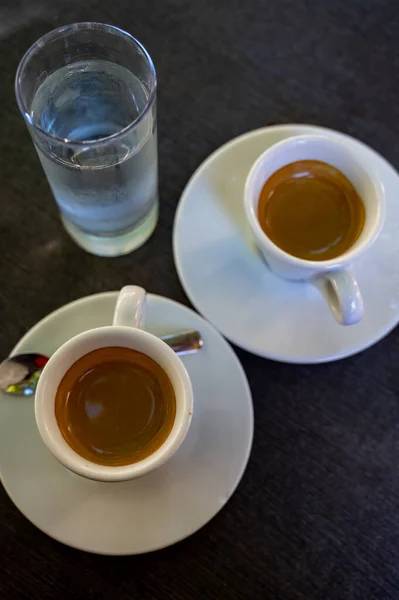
<point>88,95</point>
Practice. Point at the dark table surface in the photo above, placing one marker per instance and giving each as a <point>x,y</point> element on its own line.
<point>316,515</point>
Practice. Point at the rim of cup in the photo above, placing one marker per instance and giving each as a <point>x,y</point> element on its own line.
<point>251,201</point>
<point>81,345</point>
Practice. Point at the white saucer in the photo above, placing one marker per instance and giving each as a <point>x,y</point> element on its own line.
<point>229,284</point>
<point>158,509</point>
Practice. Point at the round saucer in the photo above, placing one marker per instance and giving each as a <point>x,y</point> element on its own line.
<point>227,281</point>
<point>164,506</point>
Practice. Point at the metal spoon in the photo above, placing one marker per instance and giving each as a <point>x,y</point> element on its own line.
<point>19,374</point>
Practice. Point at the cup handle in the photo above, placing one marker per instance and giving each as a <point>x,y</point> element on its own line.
<point>342,293</point>
<point>130,307</point>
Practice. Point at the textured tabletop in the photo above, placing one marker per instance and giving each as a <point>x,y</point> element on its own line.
<point>316,516</point>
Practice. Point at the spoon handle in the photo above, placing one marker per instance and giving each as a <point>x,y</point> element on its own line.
<point>184,342</point>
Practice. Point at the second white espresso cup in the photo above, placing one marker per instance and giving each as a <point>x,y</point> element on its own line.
<point>334,277</point>
<point>125,332</point>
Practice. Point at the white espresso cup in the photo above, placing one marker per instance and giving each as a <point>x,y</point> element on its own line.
<point>125,333</point>
<point>333,277</point>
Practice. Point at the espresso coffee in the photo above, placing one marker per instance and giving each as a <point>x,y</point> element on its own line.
<point>115,406</point>
<point>311,210</point>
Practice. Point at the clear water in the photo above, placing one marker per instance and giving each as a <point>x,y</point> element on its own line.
<point>109,188</point>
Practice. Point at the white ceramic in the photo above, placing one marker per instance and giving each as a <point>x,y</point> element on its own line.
<point>225,277</point>
<point>127,318</point>
<point>166,505</point>
<point>340,286</point>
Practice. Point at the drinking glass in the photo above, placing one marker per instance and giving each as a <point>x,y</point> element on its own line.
<point>87,92</point>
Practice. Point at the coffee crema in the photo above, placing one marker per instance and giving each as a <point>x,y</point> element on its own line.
<point>115,406</point>
<point>311,210</point>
